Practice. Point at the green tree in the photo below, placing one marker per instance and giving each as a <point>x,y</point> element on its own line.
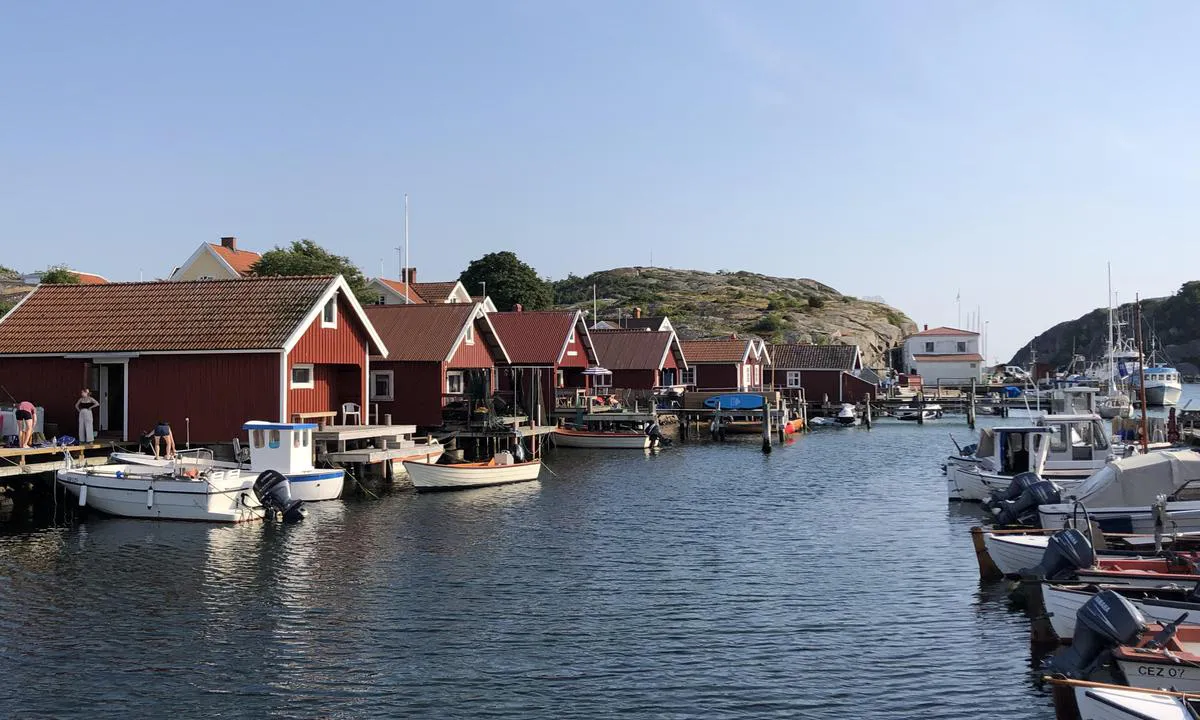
<point>509,281</point>
<point>60,275</point>
<point>305,257</point>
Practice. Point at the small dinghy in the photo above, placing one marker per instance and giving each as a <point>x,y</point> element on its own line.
<point>1104,701</point>
<point>931,411</point>
<point>500,470</point>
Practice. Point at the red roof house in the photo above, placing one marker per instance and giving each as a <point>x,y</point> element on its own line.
<point>217,261</point>
<point>441,355</point>
<point>638,359</point>
<point>548,352</point>
<point>206,356</point>
<point>822,371</point>
<point>727,364</point>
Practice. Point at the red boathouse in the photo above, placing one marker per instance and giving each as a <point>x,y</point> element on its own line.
<point>206,355</point>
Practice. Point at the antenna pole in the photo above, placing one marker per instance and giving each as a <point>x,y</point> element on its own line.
<point>405,278</point>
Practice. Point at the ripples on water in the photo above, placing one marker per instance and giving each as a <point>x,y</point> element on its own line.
<point>826,580</point>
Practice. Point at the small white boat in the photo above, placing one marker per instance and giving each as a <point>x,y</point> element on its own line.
<point>213,495</point>
<point>1014,552</point>
<point>931,411</point>
<point>500,470</point>
<point>600,439</point>
<point>1116,703</point>
<point>1062,603</point>
<point>427,452</point>
<point>284,447</point>
<point>847,415</point>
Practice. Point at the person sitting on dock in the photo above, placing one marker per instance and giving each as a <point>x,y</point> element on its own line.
<point>163,434</point>
<point>26,422</point>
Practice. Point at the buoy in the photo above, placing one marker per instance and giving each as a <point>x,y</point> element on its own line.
<point>82,495</point>
<point>149,497</point>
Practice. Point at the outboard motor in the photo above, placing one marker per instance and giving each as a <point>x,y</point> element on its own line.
<point>1023,510</point>
<point>275,493</point>
<point>655,433</point>
<point>1016,487</point>
<point>1067,551</point>
<point>1103,623</point>
<point>968,450</point>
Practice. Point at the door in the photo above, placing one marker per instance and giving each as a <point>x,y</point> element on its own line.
<point>108,382</point>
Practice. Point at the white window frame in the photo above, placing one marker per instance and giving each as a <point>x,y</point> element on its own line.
<point>929,346</point>
<point>391,385</point>
<point>960,346</point>
<point>747,379</point>
<point>602,381</point>
<point>303,384</point>
<point>560,379</point>
<point>470,338</point>
<point>688,377</point>
<point>455,374</point>
<point>793,379</point>
<point>330,305</point>
<point>571,335</point>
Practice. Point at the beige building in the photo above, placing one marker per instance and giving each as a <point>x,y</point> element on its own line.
<point>213,261</point>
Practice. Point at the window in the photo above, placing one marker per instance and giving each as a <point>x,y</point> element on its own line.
<point>793,379</point>
<point>972,366</point>
<point>296,438</point>
<point>571,335</point>
<point>454,382</point>
<point>307,434</point>
<point>688,377</point>
<point>274,441</point>
<point>381,385</point>
<point>471,333</point>
<point>329,313</point>
<point>928,347</point>
<point>257,438</point>
<point>302,377</point>
<point>381,300</point>
<point>603,381</point>
<point>747,376</point>
<point>560,379</point>
<point>206,277</point>
<point>960,347</point>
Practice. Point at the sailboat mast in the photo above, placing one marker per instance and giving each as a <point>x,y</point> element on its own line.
<point>405,278</point>
<point>1141,376</point>
<point>1111,382</point>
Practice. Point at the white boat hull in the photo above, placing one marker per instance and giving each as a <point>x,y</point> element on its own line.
<point>1014,553</point>
<point>225,496</point>
<point>1182,517</point>
<point>602,440</point>
<point>1116,704</point>
<point>458,477</point>
<point>1168,394</point>
<point>1184,678</point>
<point>1062,603</point>
<point>307,485</point>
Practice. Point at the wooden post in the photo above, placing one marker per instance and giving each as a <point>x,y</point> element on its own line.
<point>987,568</point>
<point>921,407</point>
<point>766,428</point>
<point>867,412</point>
<point>971,406</point>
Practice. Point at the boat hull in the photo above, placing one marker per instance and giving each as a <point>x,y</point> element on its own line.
<point>1117,704</point>
<point>226,496</point>
<point>472,475</point>
<point>1062,603</point>
<point>1182,517</point>
<point>307,485</point>
<point>1014,553</point>
<point>1164,674</point>
<point>1165,394</point>
<point>601,440</point>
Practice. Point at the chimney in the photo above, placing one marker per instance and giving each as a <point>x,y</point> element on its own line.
<point>926,326</point>
<point>733,336</point>
<point>412,276</point>
<point>229,242</point>
<point>637,312</point>
<point>517,307</point>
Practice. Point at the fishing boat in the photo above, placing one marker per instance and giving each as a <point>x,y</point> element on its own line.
<point>1012,552</point>
<point>600,439</point>
<point>931,411</point>
<point>1120,497</point>
<point>1163,385</point>
<point>1165,604</point>
<point>500,470</point>
<point>284,447</point>
<point>180,493</point>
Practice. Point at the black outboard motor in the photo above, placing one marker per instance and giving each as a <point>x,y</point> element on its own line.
<point>1103,623</point>
<point>275,493</point>
<point>968,450</point>
<point>1016,487</point>
<point>1023,510</point>
<point>1066,551</point>
<point>655,433</point>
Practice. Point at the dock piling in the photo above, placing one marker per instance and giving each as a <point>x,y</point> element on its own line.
<point>766,428</point>
<point>987,567</point>
<point>971,406</point>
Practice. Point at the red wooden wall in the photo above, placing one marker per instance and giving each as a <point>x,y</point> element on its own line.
<point>417,389</point>
<point>217,392</point>
<point>472,356</point>
<point>579,359</point>
<point>634,379</point>
<point>718,377</point>
<point>49,383</point>
<point>339,359</point>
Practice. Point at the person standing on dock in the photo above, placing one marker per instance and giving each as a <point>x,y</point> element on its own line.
<point>85,405</point>
<point>26,422</point>
<point>164,437</point>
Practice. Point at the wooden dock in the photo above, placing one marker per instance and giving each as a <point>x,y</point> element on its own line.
<point>26,461</point>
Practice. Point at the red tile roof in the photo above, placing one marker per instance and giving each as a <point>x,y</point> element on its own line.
<point>399,286</point>
<point>426,333</point>
<point>434,292</point>
<point>240,260</point>
<point>632,349</point>
<point>90,278</point>
<point>716,351</point>
<point>943,331</point>
<point>949,357</point>
<point>534,338</point>
<point>243,314</point>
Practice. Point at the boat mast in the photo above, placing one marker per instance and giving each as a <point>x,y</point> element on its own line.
<point>1141,375</point>
<point>1112,386</point>
<point>405,278</point>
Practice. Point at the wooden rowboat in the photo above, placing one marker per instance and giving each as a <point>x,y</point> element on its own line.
<point>470,475</point>
<point>566,437</point>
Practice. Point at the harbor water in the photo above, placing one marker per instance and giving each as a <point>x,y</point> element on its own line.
<point>828,579</point>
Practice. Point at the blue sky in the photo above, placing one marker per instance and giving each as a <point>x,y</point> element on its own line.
<point>895,149</point>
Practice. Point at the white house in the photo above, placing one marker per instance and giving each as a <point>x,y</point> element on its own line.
<point>943,353</point>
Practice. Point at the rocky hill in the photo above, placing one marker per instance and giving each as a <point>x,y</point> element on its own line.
<point>1174,320</point>
<point>703,304</point>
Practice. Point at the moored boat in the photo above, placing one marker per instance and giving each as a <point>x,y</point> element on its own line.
<point>601,439</point>
<point>500,470</point>
<point>1164,605</point>
<point>930,411</point>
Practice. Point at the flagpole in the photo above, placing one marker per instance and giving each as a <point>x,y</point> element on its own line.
<point>405,277</point>
<point>958,300</point>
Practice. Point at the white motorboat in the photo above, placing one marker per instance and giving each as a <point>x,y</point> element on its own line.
<point>501,470</point>
<point>600,439</point>
<point>847,415</point>
<point>284,447</point>
<point>180,493</point>
<point>1163,385</point>
<point>1109,702</point>
<point>1065,449</point>
<point>1013,552</point>
<point>931,411</point>
<point>1163,605</point>
<point>1120,496</point>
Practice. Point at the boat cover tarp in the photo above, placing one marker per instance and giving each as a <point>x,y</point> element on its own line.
<point>1138,480</point>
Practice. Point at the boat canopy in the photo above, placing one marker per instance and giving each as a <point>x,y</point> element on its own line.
<point>988,437</point>
<point>1139,480</point>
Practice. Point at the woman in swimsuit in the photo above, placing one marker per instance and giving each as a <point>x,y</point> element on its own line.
<point>162,432</point>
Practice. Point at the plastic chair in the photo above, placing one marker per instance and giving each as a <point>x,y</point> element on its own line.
<point>351,410</point>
